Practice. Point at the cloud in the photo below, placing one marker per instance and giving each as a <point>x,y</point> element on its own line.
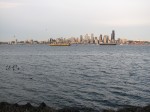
<point>6,5</point>
<point>122,23</point>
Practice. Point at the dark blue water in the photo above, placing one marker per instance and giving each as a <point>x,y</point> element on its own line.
<point>88,76</point>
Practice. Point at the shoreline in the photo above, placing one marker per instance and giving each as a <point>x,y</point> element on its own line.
<point>8,107</point>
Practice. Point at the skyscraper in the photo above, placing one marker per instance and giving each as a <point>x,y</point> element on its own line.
<point>81,38</point>
<point>92,38</point>
<point>92,35</point>
<point>100,39</point>
<point>113,35</point>
<point>105,39</point>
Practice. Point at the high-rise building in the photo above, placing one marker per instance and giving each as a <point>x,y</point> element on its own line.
<point>16,41</point>
<point>100,39</point>
<point>113,35</point>
<point>92,38</point>
<point>31,41</point>
<point>106,39</point>
<point>92,35</point>
<point>81,39</point>
<point>96,40</point>
<point>86,37</point>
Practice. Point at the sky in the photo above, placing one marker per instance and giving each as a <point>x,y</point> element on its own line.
<point>44,19</point>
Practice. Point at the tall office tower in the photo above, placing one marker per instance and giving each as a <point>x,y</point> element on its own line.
<point>92,38</point>
<point>64,40</point>
<point>108,40</point>
<point>100,39</point>
<point>92,35</point>
<point>16,41</point>
<point>50,40</point>
<point>113,35</point>
<point>105,39</point>
<point>81,38</point>
<point>96,40</point>
<point>31,41</point>
<point>78,40</point>
<point>86,37</point>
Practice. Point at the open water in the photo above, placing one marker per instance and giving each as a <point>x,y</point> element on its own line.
<point>82,76</point>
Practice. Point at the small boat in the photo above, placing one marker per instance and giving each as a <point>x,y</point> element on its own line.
<point>59,44</point>
<point>107,44</point>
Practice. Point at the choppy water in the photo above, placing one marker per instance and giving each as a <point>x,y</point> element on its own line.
<point>89,76</point>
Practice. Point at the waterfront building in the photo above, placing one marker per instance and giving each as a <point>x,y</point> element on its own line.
<point>122,41</point>
<point>105,39</point>
<point>16,41</point>
<point>81,39</point>
<point>108,40</point>
<point>92,38</point>
<point>100,39</point>
<point>51,40</point>
<point>96,40</point>
<point>31,41</point>
<point>86,37</point>
<point>78,40</point>
<point>74,40</point>
<point>113,36</point>
<point>92,35</point>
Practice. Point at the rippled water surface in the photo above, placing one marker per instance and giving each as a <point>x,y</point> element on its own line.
<point>89,76</point>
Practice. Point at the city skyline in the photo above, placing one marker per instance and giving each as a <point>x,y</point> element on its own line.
<point>88,36</point>
<point>43,19</point>
<point>83,39</point>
